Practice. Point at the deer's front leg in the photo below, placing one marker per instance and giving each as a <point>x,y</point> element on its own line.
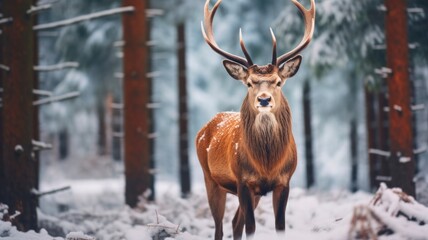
<point>279,199</point>
<point>246,204</point>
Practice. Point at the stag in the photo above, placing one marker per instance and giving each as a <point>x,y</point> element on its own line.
<point>251,152</point>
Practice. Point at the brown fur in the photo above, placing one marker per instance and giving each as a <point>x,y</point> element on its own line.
<point>267,69</point>
<point>251,151</point>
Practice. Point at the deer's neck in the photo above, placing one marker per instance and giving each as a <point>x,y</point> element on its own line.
<point>266,135</point>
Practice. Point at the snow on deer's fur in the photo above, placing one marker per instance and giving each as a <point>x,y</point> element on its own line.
<point>252,152</point>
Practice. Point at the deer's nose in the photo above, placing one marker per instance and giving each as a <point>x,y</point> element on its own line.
<point>264,101</point>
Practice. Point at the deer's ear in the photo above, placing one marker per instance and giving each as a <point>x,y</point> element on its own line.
<point>236,70</point>
<point>291,67</point>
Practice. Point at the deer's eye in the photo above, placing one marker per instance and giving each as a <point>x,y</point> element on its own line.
<point>249,85</point>
<point>279,84</point>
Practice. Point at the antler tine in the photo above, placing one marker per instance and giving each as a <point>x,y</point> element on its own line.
<point>273,47</point>
<point>309,18</point>
<point>241,42</point>
<point>209,36</point>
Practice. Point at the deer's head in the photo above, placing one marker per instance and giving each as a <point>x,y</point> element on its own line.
<point>264,82</point>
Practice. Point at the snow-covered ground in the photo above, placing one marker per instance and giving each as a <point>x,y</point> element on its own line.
<point>94,209</point>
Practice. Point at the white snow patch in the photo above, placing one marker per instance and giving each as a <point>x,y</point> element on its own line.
<point>201,138</point>
<point>316,215</point>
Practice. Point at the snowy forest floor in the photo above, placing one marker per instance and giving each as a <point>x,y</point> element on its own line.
<point>94,209</point>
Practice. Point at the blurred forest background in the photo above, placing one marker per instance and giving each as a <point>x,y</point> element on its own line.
<point>337,98</point>
<point>347,49</point>
<point>338,64</point>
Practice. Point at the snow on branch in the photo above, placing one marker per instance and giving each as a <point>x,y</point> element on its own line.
<point>38,8</point>
<point>421,11</point>
<point>390,211</point>
<point>152,135</point>
<point>154,12</point>
<point>420,150</point>
<point>118,134</point>
<point>418,107</point>
<point>397,108</point>
<point>119,75</point>
<point>379,152</point>
<point>55,67</point>
<point>42,92</point>
<point>384,178</point>
<point>116,105</point>
<point>153,105</point>
<point>119,44</point>
<point>383,71</point>
<point>151,43</point>
<point>413,45</point>
<point>4,67</point>
<point>83,18</point>
<point>416,10</point>
<point>6,20</point>
<point>56,98</point>
<point>379,47</point>
<point>153,74</point>
<point>16,214</point>
<point>38,145</point>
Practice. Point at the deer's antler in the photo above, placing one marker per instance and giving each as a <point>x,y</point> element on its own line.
<point>309,18</point>
<point>209,37</point>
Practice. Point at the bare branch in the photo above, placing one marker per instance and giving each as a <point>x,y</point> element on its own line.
<point>420,150</point>
<point>119,43</point>
<point>119,75</point>
<point>118,134</point>
<point>383,71</point>
<point>418,107</point>
<point>40,194</point>
<point>116,105</point>
<point>38,145</point>
<point>42,92</point>
<point>56,98</point>
<point>4,67</point>
<point>55,67</point>
<point>38,8</point>
<point>153,105</point>
<point>83,18</point>
<point>16,214</point>
<point>379,152</point>
<point>154,12</point>
<point>6,20</point>
<point>153,74</point>
<point>384,178</point>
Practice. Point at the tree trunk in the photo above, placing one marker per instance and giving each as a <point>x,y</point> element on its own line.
<point>354,154</point>
<point>307,118</point>
<point>63,143</point>
<point>383,142</point>
<point>183,113</point>
<point>138,123</point>
<point>17,165</point>
<point>402,162</point>
<point>36,123</point>
<point>102,138</point>
<point>371,134</point>
<point>116,121</point>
